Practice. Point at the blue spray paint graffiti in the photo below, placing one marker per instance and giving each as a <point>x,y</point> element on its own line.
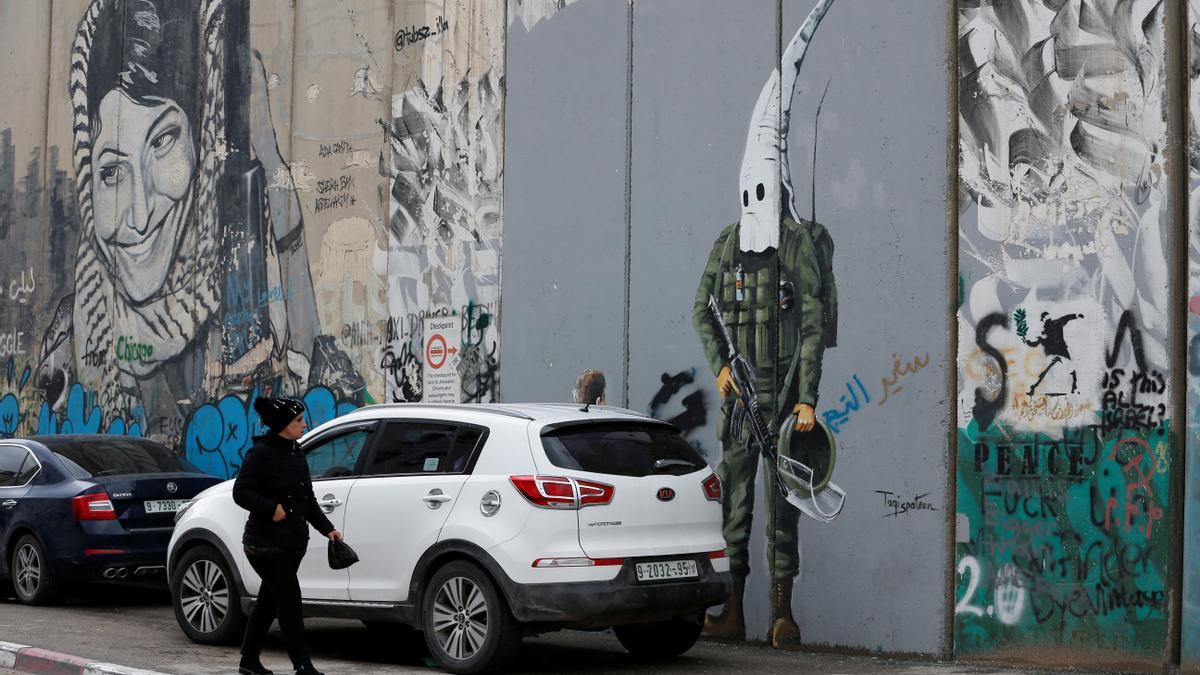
<point>219,434</point>
<point>82,416</point>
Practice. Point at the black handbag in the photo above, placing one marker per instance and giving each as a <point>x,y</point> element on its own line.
<point>341,555</point>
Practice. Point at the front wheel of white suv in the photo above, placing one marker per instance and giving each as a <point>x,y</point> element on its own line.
<point>468,626</point>
<point>206,600</point>
<point>662,640</point>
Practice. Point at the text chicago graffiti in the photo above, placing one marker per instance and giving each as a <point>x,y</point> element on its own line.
<point>133,351</point>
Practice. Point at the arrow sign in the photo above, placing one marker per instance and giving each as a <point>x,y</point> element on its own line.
<point>440,379</point>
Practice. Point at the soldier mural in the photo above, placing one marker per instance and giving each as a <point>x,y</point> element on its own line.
<point>770,277</point>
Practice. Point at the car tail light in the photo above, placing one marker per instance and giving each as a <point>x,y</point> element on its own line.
<point>594,494</point>
<point>712,488</point>
<point>557,492</point>
<point>94,506</point>
<point>577,562</point>
<point>716,555</point>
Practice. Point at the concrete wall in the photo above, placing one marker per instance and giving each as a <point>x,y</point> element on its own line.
<point>328,174</point>
<point>1065,458</point>
<point>879,190</point>
<point>1190,648</point>
<point>968,178</point>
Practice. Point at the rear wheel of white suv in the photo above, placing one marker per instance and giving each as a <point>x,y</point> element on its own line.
<point>662,640</point>
<point>468,626</point>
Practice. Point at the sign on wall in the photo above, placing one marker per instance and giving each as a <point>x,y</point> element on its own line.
<point>440,381</point>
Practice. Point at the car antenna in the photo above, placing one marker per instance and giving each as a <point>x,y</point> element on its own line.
<point>585,407</point>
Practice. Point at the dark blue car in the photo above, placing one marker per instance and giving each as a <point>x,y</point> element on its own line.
<point>78,508</point>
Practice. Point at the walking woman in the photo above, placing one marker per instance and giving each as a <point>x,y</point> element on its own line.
<point>275,487</point>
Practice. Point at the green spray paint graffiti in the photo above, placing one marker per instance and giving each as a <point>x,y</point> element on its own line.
<point>1062,540</point>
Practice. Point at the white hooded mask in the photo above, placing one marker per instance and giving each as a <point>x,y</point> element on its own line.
<point>765,181</point>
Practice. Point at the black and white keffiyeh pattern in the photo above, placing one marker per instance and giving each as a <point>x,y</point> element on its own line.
<point>191,295</point>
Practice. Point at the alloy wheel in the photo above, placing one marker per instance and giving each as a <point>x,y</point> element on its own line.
<point>28,570</point>
<point>204,596</point>
<point>460,618</point>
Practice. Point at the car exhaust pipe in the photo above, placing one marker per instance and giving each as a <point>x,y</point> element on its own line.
<point>122,573</point>
<point>110,573</point>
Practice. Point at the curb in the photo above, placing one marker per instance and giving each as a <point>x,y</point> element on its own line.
<point>24,658</point>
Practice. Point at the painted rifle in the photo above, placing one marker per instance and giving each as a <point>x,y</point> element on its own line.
<point>823,505</point>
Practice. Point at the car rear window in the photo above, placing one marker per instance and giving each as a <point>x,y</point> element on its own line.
<point>118,456</point>
<point>621,449</point>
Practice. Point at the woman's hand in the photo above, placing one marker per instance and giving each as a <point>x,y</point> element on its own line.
<point>335,536</point>
<point>280,514</point>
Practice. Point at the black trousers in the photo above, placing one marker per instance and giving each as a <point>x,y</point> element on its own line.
<point>279,596</point>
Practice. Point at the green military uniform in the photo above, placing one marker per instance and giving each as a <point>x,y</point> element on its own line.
<point>786,346</point>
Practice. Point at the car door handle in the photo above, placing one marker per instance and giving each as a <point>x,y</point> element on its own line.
<point>435,498</point>
<point>9,504</point>
<point>328,503</point>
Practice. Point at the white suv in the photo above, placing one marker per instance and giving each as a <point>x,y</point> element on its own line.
<point>479,524</point>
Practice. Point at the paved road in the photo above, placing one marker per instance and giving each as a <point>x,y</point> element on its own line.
<point>135,626</point>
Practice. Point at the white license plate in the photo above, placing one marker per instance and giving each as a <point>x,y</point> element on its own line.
<point>667,569</point>
<point>164,505</point>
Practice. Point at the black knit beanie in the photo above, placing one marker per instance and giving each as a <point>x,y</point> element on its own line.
<point>277,413</point>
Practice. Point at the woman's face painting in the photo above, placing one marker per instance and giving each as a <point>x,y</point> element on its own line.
<point>143,161</point>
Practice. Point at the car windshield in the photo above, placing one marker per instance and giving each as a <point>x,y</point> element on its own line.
<point>102,456</point>
<point>621,449</point>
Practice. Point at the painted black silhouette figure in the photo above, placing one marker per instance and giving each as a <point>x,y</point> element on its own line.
<point>1055,346</point>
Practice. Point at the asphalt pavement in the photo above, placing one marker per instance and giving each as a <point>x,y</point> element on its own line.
<point>135,626</point>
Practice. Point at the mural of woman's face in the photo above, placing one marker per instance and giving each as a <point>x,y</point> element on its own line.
<point>143,162</point>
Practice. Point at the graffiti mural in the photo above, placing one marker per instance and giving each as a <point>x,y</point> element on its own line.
<point>767,291</point>
<point>1063,462</point>
<point>198,260</point>
<point>444,231</point>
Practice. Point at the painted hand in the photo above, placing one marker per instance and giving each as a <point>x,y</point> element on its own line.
<point>335,536</point>
<point>285,207</point>
<point>280,514</point>
<point>725,382</point>
<point>806,417</point>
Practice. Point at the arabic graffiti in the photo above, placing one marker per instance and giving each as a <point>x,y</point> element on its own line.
<point>835,419</point>
<point>899,370</point>
<point>21,287</point>
<point>858,395</point>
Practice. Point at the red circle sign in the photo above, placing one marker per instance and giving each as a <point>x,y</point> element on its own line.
<point>435,351</point>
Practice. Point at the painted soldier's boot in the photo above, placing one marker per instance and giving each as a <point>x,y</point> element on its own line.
<point>730,624</point>
<point>785,634</point>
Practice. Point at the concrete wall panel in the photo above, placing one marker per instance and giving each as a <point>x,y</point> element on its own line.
<point>31,182</point>
<point>1190,635</point>
<point>1064,468</point>
<point>564,268</point>
<point>880,191</point>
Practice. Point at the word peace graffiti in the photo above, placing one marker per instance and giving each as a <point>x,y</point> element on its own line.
<point>219,434</point>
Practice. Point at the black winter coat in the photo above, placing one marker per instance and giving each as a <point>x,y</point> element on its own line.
<point>273,472</point>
